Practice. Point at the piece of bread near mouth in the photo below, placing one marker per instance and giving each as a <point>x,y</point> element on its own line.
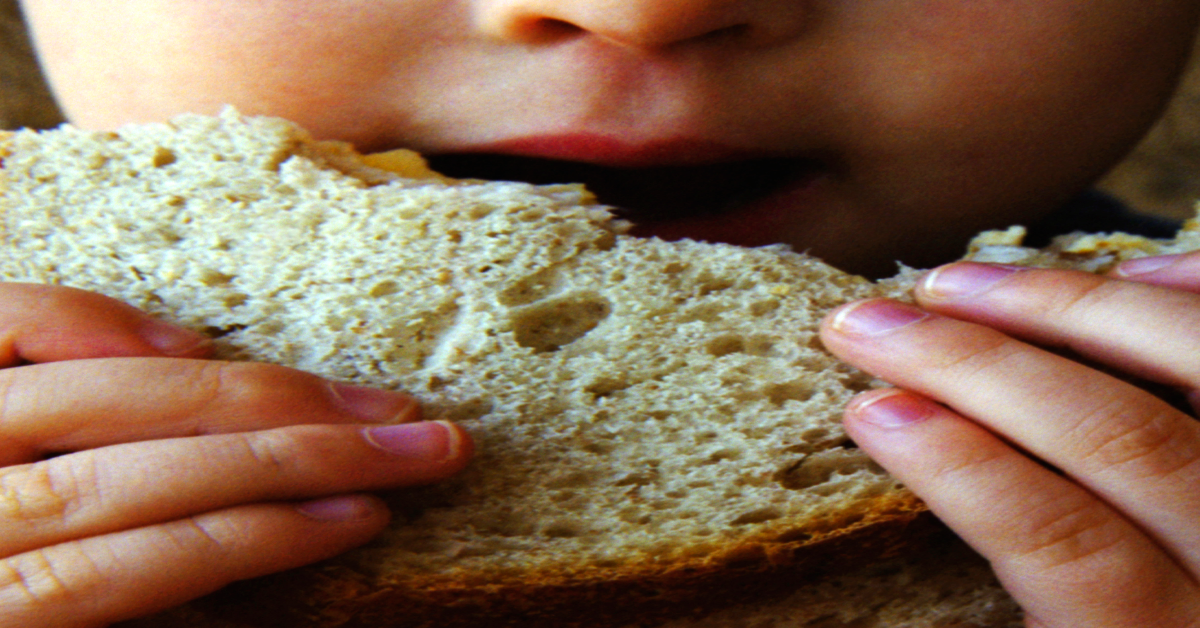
<point>657,426</point>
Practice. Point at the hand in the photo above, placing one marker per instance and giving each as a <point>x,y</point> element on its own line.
<point>1082,490</point>
<point>135,476</point>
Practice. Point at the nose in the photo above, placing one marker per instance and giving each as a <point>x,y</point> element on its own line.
<point>647,24</point>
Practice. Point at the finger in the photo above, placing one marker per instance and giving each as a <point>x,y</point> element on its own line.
<point>1067,558</point>
<point>1180,271</point>
<point>100,580</point>
<point>101,491</point>
<point>40,323</point>
<point>81,404</point>
<point>1145,330</point>
<point>1134,450</point>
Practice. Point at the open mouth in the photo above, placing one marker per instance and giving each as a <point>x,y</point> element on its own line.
<point>646,194</point>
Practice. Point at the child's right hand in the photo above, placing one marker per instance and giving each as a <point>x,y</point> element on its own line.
<point>136,475</point>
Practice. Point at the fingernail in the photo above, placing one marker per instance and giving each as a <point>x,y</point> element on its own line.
<point>433,441</point>
<point>891,409</point>
<point>965,278</point>
<point>1145,265</point>
<point>172,339</point>
<point>339,508</point>
<point>372,404</point>
<point>876,316</point>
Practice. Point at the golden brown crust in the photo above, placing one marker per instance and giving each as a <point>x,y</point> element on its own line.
<point>334,595</point>
<point>6,141</point>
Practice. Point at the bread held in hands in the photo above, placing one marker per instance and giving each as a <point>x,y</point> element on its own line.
<point>657,426</point>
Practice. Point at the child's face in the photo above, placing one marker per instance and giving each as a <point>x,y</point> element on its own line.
<point>893,128</point>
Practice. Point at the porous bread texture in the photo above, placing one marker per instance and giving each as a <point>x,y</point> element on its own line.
<point>650,416</point>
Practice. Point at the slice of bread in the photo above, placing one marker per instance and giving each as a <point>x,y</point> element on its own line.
<point>658,427</point>
<point>656,422</point>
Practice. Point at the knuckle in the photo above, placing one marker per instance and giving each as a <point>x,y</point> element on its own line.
<point>1067,532</point>
<point>36,492</point>
<point>1078,297</point>
<point>1149,444</point>
<point>216,537</point>
<point>970,463</point>
<point>23,395</point>
<point>986,353</point>
<point>9,400</point>
<point>289,451</point>
<point>211,533</point>
<point>255,388</point>
<point>267,449</point>
<point>46,580</point>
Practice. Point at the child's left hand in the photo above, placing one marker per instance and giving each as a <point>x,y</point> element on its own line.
<point>1081,489</point>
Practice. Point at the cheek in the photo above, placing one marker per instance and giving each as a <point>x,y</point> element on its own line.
<point>1018,99</point>
<point>143,60</point>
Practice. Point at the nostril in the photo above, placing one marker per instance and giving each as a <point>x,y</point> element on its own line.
<point>737,32</point>
<point>542,30</point>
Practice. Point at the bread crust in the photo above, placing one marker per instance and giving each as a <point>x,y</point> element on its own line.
<point>335,595</point>
<point>6,138</point>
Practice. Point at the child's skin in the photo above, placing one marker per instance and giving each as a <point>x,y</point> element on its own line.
<point>927,120</point>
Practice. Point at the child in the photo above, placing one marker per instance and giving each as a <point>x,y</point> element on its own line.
<point>864,132</point>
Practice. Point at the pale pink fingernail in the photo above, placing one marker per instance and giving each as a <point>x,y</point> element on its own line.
<point>965,279</point>
<point>373,404</point>
<point>876,316</point>
<point>339,508</point>
<point>172,340</point>
<point>1145,265</point>
<point>892,409</point>
<point>434,441</point>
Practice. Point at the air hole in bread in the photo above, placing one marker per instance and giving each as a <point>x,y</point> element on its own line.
<point>607,387</point>
<point>762,308</point>
<point>564,530</point>
<point>714,284</point>
<point>221,332</point>
<point>212,278</point>
<point>571,480</point>
<point>703,312</point>
<point>858,382</point>
<point>758,345</point>
<point>163,156</point>
<point>796,390</point>
<point>643,478</point>
<point>757,516</point>
<point>821,467</point>
<point>551,325</point>
<point>384,288</point>
<point>720,455</point>
<point>467,411</point>
<point>528,289</point>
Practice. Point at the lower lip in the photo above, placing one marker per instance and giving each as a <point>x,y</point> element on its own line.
<point>760,222</point>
